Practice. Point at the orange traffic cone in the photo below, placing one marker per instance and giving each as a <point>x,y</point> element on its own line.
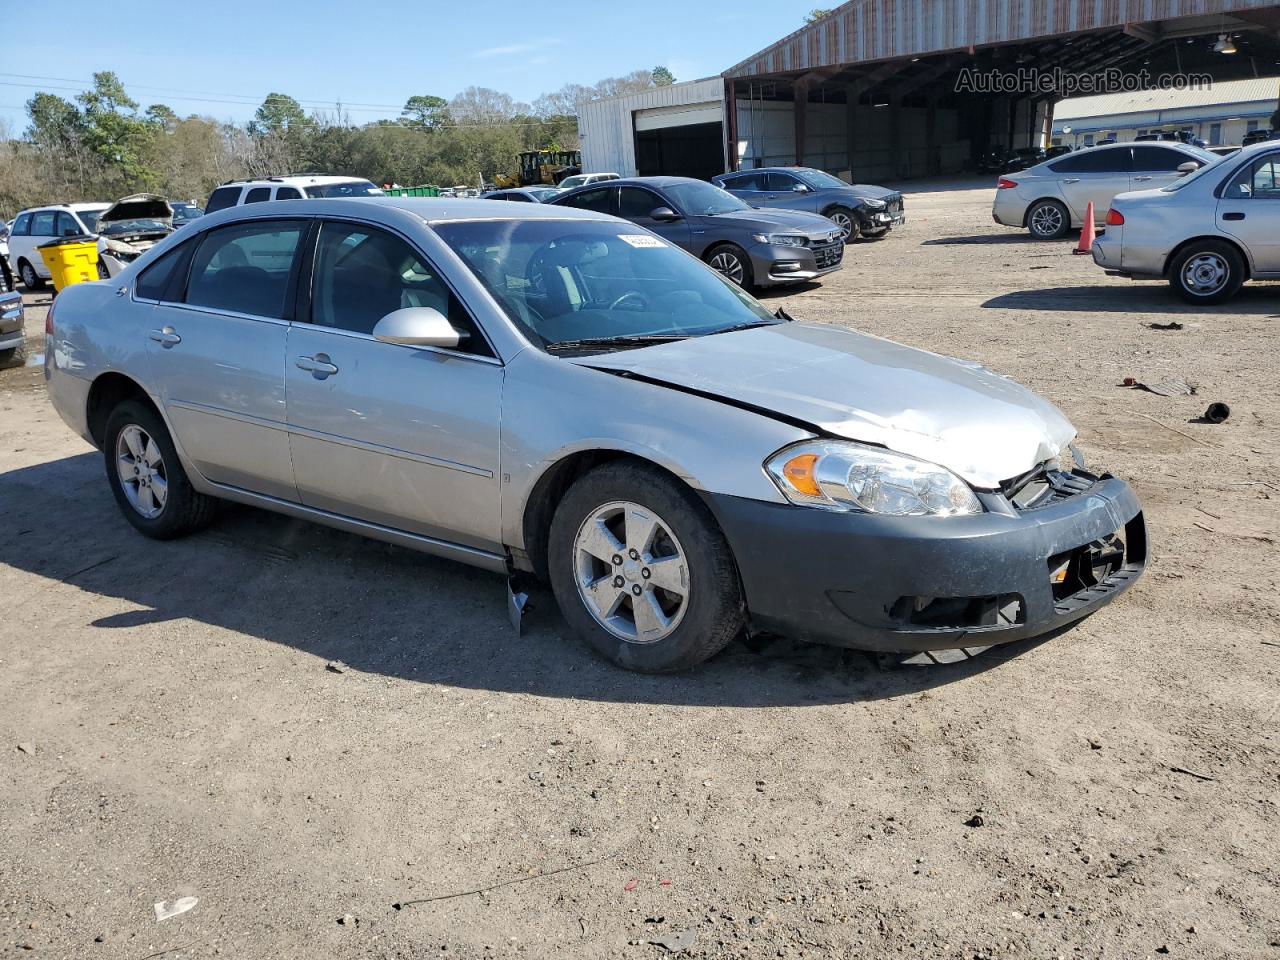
<point>1086,232</point>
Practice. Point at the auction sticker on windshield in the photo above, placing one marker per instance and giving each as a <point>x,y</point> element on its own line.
<point>640,240</point>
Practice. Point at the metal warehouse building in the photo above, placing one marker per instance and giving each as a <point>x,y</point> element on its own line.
<point>870,91</point>
<point>1222,114</point>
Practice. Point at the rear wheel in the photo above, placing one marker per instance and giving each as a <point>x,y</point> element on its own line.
<point>147,478</point>
<point>30,279</point>
<point>641,571</point>
<point>733,263</point>
<point>7,356</point>
<point>1208,271</point>
<point>1048,220</point>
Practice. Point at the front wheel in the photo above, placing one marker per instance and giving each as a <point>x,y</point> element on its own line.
<point>641,571</point>
<point>1209,271</point>
<point>732,263</point>
<point>146,477</point>
<point>843,218</point>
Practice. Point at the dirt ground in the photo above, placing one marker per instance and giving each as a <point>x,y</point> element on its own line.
<point>169,727</point>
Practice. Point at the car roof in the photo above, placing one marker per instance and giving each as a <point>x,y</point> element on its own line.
<point>431,210</point>
<point>75,207</point>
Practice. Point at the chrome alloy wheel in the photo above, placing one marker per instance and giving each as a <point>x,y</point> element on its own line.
<point>1205,274</point>
<point>1046,220</point>
<point>729,264</point>
<point>29,277</point>
<point>141,469</point>
<point>844,222</point>
<point>631,572</point>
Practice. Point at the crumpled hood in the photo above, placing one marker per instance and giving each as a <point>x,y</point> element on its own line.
<point>869,190</point>
<point>139,206</point>
<point>983,427</point>
<point>772,219</point>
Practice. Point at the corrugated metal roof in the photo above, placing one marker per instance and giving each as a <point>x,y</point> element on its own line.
<point>868,30</point>
<point>1145,101</point>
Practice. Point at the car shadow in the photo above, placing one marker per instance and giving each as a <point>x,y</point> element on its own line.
<point>385,610</point>
<point>1153,297</point>
<point>785,290</point>
<point>984,238</point>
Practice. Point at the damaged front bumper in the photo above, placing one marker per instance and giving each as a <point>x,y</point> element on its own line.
<point>910,584</point>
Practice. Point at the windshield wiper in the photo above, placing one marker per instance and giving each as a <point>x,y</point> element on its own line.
<point>745,326</point>
<point>636,340</point>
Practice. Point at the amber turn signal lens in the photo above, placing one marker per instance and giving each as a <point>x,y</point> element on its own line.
<point>799,473</point>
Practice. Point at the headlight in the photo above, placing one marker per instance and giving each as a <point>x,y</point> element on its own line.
<point>873,204</point>
<point>782,239</point>
<point>837,475</point>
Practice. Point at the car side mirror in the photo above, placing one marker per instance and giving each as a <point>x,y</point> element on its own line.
<point>664,215</point>
<point>418,327</point>
<point>1189,167</point>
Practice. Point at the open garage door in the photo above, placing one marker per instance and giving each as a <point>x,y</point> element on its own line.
<point>680,141</point>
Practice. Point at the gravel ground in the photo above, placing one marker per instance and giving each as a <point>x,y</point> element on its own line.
<point>170,728</point>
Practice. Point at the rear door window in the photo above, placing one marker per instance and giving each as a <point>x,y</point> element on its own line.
<point>257,195</point>
<point>222,198</point>
<point>246,268</point>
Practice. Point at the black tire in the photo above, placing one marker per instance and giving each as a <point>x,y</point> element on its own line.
<point>723,254</point>
<point>1048,220</point>
<point>714,613</point>
<point>184,510</point>
<point>845,219</point>
<point>1203,259</point>
<point>30,279</point>
<point>7,356</point>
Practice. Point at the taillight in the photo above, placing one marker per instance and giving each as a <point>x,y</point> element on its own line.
<point>1115,218</point>
<point>1004,183</point>
<point>48,318</point>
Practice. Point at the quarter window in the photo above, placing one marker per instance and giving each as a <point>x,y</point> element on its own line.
<point>21,226</point>
<point>154,283</point>
<point>222,198</point>
<point>362,274</point>
<point>245,268</point>
<point>257,195</point>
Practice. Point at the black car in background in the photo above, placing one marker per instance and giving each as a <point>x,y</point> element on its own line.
<point>752,248</point>
<point>858,209</point>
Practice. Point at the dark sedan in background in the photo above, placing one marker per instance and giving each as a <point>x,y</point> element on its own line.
<point>858,209</point>
<point>753,248</point>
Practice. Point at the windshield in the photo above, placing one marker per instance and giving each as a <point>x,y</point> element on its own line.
<point>89,218</point>
<point>348,188</point>
<point>824,180</point>
<point>186,211</point>
<point>568,280</point>
<point>698,199</point>
<point>139,225</point>
<point>544,194</point>
<point>575,181</point>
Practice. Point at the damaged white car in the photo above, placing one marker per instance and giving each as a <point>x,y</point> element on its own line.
<point>129,228</point>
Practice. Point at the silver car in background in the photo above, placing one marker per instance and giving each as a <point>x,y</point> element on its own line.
<point>1205,234</point>
<point>1051,198</point>
<point>534,388</point>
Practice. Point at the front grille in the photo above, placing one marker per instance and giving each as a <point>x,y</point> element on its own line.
<point>1043,486</point>
<point>828,256</point>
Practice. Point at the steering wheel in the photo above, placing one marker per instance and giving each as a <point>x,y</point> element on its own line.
<point>641,300</point>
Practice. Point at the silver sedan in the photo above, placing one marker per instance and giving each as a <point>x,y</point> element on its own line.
<point>536,389</point>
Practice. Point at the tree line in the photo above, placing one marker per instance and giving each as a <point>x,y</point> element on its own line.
<point>102,144</point>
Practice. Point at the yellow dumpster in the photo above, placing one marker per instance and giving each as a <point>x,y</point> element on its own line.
<point>71,260</point>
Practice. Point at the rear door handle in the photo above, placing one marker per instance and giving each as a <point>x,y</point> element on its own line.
<point>165,336</point>
<point>1141,179</point>
<point>1234,215</point>
<point>318,365</point>
<point>1071,180</point>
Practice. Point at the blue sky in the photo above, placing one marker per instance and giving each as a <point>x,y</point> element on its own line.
<point>192,55</point>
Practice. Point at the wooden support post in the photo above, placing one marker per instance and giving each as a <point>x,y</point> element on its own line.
<point>731,125</point>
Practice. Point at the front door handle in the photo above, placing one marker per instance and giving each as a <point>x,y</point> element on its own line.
<point>1141,179</point>
<point>1234,215</point>
<point>165,336</point>
<point>319,365</point>
<point>1071,180</point>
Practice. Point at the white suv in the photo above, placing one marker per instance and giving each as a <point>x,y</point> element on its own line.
<point>235,192</point>
<point>42,224</point>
